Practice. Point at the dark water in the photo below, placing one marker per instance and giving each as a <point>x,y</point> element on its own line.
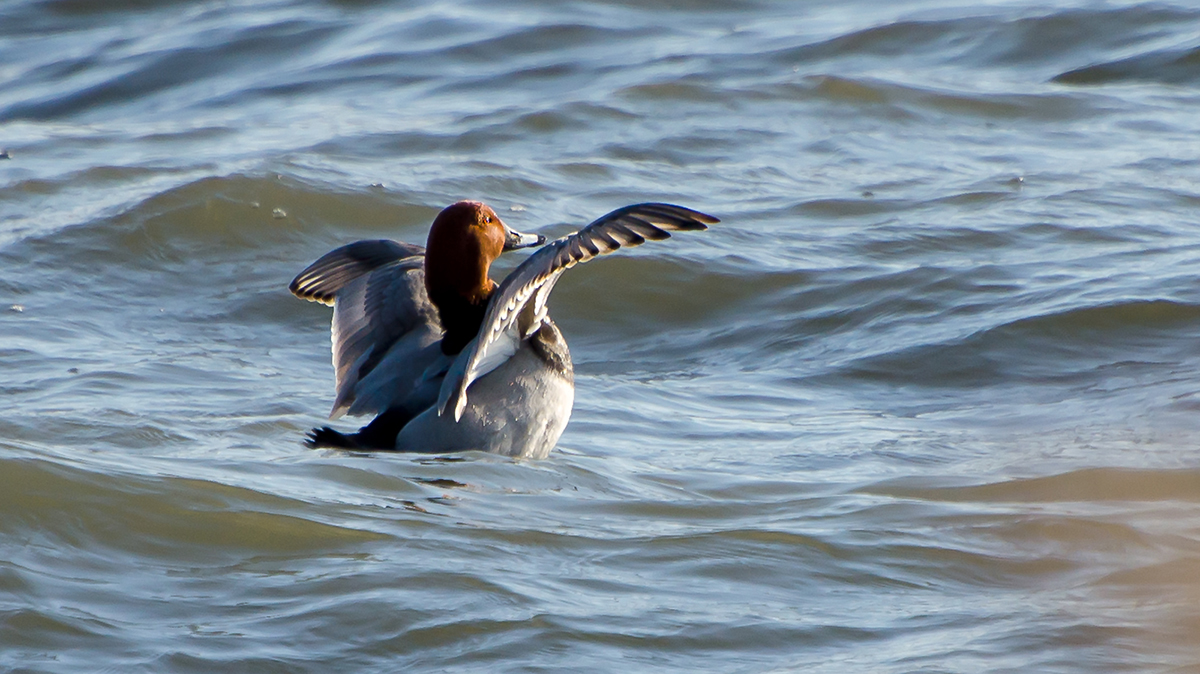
<point>925,401</point>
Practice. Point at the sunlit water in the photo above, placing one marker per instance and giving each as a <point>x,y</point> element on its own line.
<point>925,401</point>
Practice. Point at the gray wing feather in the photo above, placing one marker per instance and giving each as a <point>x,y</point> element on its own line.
<point>321,280</point>
<point>511,314</point>
<point>377,289</point>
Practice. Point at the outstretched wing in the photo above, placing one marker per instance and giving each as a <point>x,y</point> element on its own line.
<point>321,280</point>
<point>518,306</point>
<point>377,290</point>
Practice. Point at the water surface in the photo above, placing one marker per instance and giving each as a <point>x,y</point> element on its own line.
<point>924,401</point>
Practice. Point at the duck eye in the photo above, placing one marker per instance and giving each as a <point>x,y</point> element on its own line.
<point>487,219</point>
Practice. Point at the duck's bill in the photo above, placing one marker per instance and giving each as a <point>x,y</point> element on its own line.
<point>514,239</point>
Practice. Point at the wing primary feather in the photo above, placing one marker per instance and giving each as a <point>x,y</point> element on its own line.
<point>321,280</point>
<point>588,244</point>
<point>634,239</point>
<point>647,229</point>
<point>610,242</point>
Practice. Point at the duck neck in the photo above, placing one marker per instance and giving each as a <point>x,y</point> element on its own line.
<point>461,319</point>
<point>461,293</point>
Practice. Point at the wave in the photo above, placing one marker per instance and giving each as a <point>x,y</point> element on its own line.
<point>178,517</point>
<point>1169,66</point>
<point>125,78</point>
<point>1090,485</point>
<point>875,92</point>
<point>1065,345</point>
<point>216,215</point>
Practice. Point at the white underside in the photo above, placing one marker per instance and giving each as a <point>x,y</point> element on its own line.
<point>519,409</point>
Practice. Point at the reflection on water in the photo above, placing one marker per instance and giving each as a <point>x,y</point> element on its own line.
<point>923,401</point>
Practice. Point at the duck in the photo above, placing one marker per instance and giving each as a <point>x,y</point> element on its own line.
<point>447,359</point>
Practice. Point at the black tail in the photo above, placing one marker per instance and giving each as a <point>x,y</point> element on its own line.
<point>327,437</point>
<point>380,434</point>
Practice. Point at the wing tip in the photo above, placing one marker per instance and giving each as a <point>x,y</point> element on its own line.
<point>299,288</point>
<point>322,280</point>
<point>685,218</point>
